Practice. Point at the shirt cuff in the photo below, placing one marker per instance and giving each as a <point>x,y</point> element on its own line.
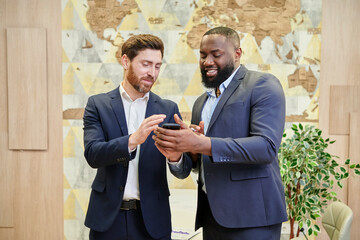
<point>132,153</point>
<point>176,164</point>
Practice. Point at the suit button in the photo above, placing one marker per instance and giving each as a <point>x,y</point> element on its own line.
<point>121,188</point>
<point>118,160</point>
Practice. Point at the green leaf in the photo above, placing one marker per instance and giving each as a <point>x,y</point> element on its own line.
<point>357,172</point>
<point>301,126</point>
<point>314,164</point>
<point>340,184</point>
<point>347,161</point>
<point>343,169</point>
<point>310,231</point>
<point>352,166</point>
<point>306,145</point>
<point>317,228</point>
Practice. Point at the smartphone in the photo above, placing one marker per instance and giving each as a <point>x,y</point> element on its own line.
<point>173,126</point>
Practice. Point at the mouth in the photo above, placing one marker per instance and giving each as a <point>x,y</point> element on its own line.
<point>148,80</point>
<point>211,72</point>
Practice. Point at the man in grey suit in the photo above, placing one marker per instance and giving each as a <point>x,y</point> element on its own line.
<point>234,139</point>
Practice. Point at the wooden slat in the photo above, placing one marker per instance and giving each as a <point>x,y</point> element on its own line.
<point>6,170</point>
<point>7,233</point>
<point>343,100</point>
<point>27,88</point>
<point>7,180</point>
<point>354,181</point>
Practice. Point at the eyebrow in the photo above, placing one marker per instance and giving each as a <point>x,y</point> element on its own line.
<point>152,62</point>
<point>212,51</point>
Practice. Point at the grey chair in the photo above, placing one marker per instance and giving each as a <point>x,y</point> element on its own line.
<point>336,221</point>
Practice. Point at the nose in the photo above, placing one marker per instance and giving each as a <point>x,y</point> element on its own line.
<point>152,72</point>
<point>208,61</point>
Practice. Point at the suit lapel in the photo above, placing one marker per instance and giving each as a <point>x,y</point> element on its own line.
<point>196,112</point>
<point>150,110</point>
<point>227,94</point>
<point>118,108</point>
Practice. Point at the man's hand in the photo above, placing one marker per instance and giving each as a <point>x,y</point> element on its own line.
<point>147,126</point>
<point>183,140</point>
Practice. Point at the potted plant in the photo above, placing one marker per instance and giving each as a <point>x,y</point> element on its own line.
<point>309,173</point>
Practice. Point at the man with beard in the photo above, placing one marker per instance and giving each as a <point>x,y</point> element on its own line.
<point>234,138</point>
<point>130,195</point>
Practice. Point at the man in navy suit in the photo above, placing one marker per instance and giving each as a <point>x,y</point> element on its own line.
<point>234,140</point>
<point>130,195</point>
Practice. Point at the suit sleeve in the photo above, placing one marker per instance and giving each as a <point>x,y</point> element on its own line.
<point>183,170</point>
<point>267,119</point>
<point>100,152</point>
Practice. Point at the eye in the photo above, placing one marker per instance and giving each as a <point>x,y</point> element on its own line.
<point>217,55</point>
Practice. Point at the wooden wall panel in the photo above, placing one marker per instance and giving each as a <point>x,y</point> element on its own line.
<point>7,181</point>
<point>340,58</point>
<point>38,175</point>
<point>27,88</point>
<point>7,233</point>
<point>6,170</point>
<point>354,183</point>
<point>343,100</point>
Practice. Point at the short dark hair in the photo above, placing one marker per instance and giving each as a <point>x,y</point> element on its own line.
<point>229,33</point>
<point>137,43</point>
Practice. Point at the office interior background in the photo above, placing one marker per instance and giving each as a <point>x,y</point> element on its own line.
<point>55,54</point>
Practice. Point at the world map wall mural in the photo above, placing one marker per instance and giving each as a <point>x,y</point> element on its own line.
<point>282,37</point>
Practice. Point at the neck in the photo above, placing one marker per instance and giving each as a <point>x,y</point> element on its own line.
<point>131,91</point>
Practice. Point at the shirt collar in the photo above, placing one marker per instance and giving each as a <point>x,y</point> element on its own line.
<point>125,95</point>
<point>223,85</point>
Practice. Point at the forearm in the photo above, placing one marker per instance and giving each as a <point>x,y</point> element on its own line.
<point>249,150</point>
<point>101,153</point>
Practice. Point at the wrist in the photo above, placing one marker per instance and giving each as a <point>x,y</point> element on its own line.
<point>132,142</point>
<point>175,158</point>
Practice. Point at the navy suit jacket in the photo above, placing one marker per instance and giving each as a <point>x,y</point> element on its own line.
<point>106,148</point>
<point>242,176</point>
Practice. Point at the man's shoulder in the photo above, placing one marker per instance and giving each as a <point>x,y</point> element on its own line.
<point>256,77</point>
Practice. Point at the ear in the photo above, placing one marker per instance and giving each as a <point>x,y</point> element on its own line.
<point>238,53</point>
<point>125,61</point>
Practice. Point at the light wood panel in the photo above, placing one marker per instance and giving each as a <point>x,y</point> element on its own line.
<point>27,88</point>
<point>38,185</point>
<point>6,233</point>
<point>7,181</point>
<point>343,100</point>
<point>354,183</point>
<point>6,170</point>
<point>340,58</point>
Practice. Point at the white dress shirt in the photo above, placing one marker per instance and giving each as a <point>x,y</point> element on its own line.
<point>135,114</point>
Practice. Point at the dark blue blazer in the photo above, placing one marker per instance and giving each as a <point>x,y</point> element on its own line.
<point>242,176</point>
<point>106,149</point>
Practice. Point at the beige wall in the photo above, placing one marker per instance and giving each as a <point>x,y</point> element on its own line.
<point>340,91</point>
<point>31,172</point>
